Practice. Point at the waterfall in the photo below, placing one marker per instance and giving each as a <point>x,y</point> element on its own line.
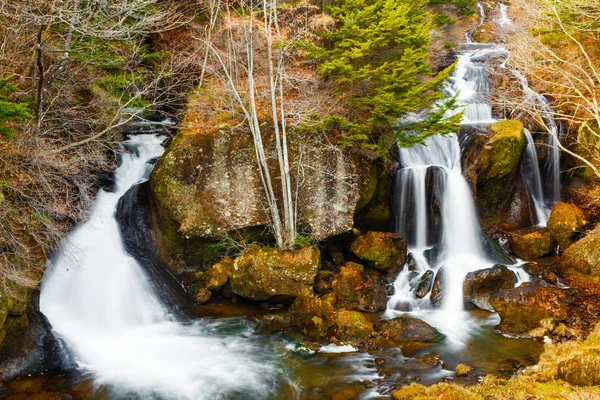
<point>530,171</point>
<point>100,302</point>
<point>450,254</point>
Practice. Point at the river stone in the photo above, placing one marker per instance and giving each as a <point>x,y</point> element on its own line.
<point>584,254</point>
<point>437,292</point>
<point>261,274</point>
<point>385,251</point>
<point>522,308</point>
<point>213,279</point>
<point>530,244</point>
<point>411,264</point>
<point>479,285</point>
<point>582,370</point>
<point>312,316</point>
<point>565,223</point>
<point>425,284</point>
<point>357,290</point>
<point>352,325</point>
<point>409,329</point>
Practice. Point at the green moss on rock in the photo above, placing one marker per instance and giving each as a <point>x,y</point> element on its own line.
<point>312,316</point>
<point>531,244</point>
<point>584,254</point>
<point>352,325</point>
<point>382,250</point>
<point>565,223</point>
<point>354,289</point>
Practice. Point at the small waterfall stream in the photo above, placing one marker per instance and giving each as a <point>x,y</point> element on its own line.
<point>435,207</point>
<point>100,302</point>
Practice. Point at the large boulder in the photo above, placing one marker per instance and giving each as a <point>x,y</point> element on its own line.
<point>583,369</point>
<point>262,274</point>
<point>479,285</point>
<point>313,316</point>
<point>584,254</point>
<point>565,223</point>
<point>522,308</point>
<point>530,244</point>
<point>358,290</point>
<point>385,251</point>
<point>207,185</point>
<point>409,329</point>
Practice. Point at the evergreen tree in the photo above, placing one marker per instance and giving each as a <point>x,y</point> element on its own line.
<point>378,53</point>
<point>10,111</point>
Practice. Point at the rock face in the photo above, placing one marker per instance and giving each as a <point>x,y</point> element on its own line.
<point>583,369</point>
<point>357,290</point>
<point>530,244</point>
<point>565,223</point>
<point>490,162</point>
<point>479,285</point>
<point>261,274</point>
<point>584,254</point>
<point>29,347</point>
<point>382,250</point>
<point>498,161</point>
<point>207,185</point>
<point>522,308</point>
<point>410,329</point>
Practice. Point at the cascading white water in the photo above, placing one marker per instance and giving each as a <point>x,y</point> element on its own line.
<point>459,250</point>
<point>100,303</point>
<point>530,171</point>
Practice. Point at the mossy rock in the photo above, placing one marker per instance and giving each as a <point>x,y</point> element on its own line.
<point>584,254</point>
<point>498,162</point>
<point>312,316</point>
<point>409,329</point>
<point>382,250</point>
<point>261,274</point>
<point>352,325</point>
<point>566,222</point>
<point>212,280</point>
<point>357,290</point>
<point>463,370</point>
<point>521,309</point>
<point>531,244</point>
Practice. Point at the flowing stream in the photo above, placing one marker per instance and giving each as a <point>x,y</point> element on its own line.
<point>101,304</point>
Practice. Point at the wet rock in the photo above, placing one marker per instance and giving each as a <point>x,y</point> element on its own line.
<point>530,244</point>
<point>357,290</point>
<point>433,255</point>
<point>584,254</point>
<point>261,274</point>
<point>429,359</point>
<point>494,251</point>
<point>566,223</point>
<point>479,285</point>
<point>437,292</point>
<point>582,370</point>
<point>425,284</point>
<point>463,370</point>
<point>409,329</point>
<point>352,325</point>
<point>312,316</point>
<point>522,308</point>
<point>532,269</point>
<point>411,264</point>
<point>382,250</point>
<point>29,347</point>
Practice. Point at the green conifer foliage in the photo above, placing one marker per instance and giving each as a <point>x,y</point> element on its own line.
<point>378,54</point>
<point>10,111</point>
